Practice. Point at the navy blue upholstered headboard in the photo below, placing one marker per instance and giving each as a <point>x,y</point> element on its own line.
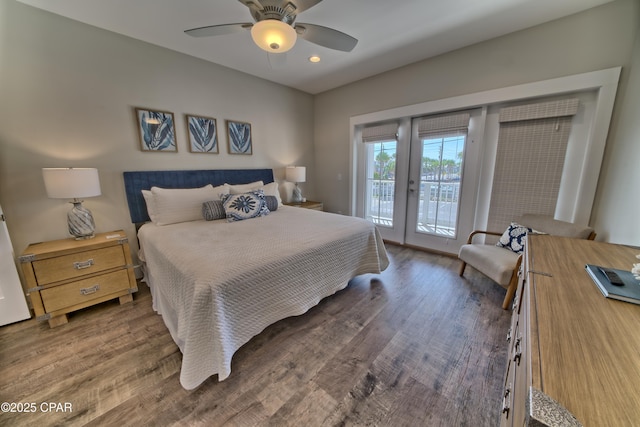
<point>135,182</point>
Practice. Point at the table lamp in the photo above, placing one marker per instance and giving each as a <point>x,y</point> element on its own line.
<point>296,174</point>
<point>74,183</point>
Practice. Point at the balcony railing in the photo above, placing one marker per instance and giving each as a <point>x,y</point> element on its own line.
<point>437,207</point>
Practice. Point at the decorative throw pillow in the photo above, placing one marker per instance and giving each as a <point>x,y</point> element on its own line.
<point>244,188</point>
<point>213,209</point>
<point>514,238</point>
<point>271,189</point>
<point>151,205</point>
<point>244,206</point>
<point>174,205</point>
<point>272,203</point>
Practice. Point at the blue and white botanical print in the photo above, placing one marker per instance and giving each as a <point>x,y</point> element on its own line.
<point>239,138</point>
<point>203,136</point>
<point>156,130</point>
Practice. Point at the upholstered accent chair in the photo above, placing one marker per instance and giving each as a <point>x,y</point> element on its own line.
<point>501,262</point>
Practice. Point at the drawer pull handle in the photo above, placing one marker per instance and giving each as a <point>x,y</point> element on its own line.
<point>505,402</point>
<point>83,264</point>
<point>89,291</point>
<point>517,352</point>
<point>509,335</point>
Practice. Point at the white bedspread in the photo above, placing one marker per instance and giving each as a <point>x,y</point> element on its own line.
<point>218,284</point>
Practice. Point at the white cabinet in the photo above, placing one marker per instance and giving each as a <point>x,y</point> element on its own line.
<point>13,304</point>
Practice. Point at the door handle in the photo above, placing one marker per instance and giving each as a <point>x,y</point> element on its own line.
<point>411,182</point>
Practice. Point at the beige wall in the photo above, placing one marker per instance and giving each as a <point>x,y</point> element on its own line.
<point>597,39</point>
<point>67,93</point>
<point>617,212</point>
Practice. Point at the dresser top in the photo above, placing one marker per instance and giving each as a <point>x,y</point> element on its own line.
<point>585,347</point>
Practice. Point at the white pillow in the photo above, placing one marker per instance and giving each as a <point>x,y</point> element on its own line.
<point>183,204</point>
<point>245,188</point>
<point>151,206</point>
<point>271,189</point>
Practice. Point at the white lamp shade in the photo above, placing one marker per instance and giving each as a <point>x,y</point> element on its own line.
<point>296,173</point>
<point>273,36</point>
<point>71,183</point>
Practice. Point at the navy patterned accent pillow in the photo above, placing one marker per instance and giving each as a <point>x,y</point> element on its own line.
<point>213,209</point>
<point>514,238</point>
<point>272,203</point>
<point>245,205</point>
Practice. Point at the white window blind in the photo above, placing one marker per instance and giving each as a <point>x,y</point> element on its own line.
<point>532,144</point>
<point>443,124</point>
<point>380,132</point>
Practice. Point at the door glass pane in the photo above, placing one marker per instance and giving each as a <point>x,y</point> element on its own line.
<point>440,179</point>
<point>380,183</point>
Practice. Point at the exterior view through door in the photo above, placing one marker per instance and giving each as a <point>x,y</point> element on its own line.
<point>413,172</point>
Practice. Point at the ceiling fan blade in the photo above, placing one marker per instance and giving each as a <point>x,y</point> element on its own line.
<point>218,30</point>
<point>327,37</point>
<point>277,60</point>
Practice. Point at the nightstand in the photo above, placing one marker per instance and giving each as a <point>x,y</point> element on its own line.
<point>66,275</point>
<point>309,204</point>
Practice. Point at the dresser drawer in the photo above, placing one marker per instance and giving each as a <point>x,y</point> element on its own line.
<point>506,413</point>
<point>70,294</point>
<point>65,267</point>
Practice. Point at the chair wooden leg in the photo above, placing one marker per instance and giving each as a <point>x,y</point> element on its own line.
<point>511,290</point>
<point>462,267</point>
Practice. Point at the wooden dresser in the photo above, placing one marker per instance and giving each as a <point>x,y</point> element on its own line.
<point>66,275</point>
<point>574,355</point>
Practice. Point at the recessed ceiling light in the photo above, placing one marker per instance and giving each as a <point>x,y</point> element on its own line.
<point>314,58</point>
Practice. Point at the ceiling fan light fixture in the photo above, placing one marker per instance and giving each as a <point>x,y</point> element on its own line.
<point>273,36</point>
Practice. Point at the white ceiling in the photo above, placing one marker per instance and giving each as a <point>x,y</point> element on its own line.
<point>390,33</point>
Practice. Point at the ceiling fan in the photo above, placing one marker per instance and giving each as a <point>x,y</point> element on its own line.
<point>274,29</point>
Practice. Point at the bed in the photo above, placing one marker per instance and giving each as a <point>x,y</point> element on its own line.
<point>218,283</point>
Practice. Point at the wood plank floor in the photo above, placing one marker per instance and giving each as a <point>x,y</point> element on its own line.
<point>414,346</point>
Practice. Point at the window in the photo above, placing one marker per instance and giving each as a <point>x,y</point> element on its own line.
<point>381,182</point>
<point>380,171</point>
<point>440,179</point>
<point>530,159</point>
<point>442,140</point>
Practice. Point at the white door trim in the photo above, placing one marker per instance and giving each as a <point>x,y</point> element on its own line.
<point>604,82</point>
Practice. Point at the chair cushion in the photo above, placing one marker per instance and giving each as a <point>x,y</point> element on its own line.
<point>555,227</point>
<point>494,262</point>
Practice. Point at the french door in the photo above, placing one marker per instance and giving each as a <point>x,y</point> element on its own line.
<point>420,188</point>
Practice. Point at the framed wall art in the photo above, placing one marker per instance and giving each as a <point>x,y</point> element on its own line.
<point>239,137</point>
<point>203,134</point>
<point>156,130</point>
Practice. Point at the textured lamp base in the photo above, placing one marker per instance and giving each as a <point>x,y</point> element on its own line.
<point>296,196</point>
<point>80,221</point>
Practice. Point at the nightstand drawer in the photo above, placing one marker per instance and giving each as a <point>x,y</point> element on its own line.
<point>63,296</point>
<point>55,269</point>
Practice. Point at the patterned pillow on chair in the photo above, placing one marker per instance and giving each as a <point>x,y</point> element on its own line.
<point>514,237</point>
